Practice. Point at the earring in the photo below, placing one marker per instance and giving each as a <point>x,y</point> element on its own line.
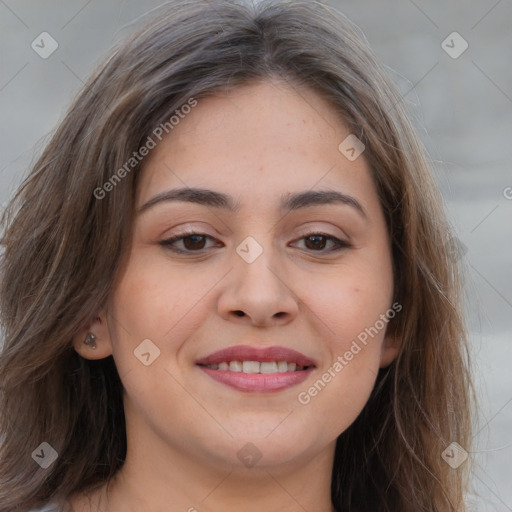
<point>90,341</point>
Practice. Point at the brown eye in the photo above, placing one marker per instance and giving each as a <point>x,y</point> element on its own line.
<point>316,242</point>
<point>187,243</point>
<point>194,242</point>
<point>319,242</point>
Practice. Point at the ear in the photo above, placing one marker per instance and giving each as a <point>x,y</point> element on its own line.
<point>390,348</point>
<point>102,347</point>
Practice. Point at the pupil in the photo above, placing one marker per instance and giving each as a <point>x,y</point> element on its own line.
<point>316,239</point>
<point>196,239</point>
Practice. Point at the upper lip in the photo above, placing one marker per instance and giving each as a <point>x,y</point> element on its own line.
<point>261,354</point>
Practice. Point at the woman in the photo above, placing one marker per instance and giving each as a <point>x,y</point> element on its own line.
<point>228,283</point>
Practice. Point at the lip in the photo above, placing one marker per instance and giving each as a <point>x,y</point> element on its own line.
<point>257,382</point>
<point>261,354</point>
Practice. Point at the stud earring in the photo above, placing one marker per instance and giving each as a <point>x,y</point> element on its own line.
<point>90,341</point>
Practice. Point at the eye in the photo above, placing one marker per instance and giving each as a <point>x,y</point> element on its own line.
<point>196,242</point>
<point>317,242</point>
<point>191,242</point>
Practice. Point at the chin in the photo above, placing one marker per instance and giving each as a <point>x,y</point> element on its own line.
<point>268,447</point>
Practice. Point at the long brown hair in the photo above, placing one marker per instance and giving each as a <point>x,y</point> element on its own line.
<point>63,245</point>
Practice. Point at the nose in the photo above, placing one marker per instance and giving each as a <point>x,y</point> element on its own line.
<point>258,293</point>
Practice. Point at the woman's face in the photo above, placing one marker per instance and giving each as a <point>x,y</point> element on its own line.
<point>290,265</point>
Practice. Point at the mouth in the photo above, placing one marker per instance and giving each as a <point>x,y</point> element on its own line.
<point>257,370</point>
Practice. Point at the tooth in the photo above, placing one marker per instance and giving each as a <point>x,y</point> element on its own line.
<point>213,366</point>
<point>235,366</point>
<point>223,366</point>
<point>282,366</point>
<point>292,366</point>
<point>268,367</point>
<point>251,367</point>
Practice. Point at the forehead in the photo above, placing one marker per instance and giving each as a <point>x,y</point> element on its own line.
<point>256,141</point>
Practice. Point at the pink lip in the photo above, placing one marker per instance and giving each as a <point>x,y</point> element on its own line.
<point>261,354</point>
<point>257,382</point>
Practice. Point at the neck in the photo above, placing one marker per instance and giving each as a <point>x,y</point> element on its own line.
<point>157,477</point>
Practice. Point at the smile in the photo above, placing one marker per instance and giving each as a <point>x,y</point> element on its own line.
<point>256,369</point>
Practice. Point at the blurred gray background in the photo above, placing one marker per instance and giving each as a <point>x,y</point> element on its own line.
<point>461,102</point>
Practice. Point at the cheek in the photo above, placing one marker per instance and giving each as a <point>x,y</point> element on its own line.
<point>336,398</point>
<point>157,301</point>
<point>351,303</point>
<point>354,313</point>
<point>353,334</point>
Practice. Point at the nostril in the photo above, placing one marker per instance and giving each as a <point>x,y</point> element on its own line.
<point>239,313</point>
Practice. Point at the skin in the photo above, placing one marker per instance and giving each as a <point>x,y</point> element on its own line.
<point>184,429</point>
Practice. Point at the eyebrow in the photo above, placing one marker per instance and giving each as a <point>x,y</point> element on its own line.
<point>289,202</point>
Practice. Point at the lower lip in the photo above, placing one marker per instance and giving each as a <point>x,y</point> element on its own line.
<point>258,382</point>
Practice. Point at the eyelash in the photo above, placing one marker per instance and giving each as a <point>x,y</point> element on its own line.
<point>168,244</point>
